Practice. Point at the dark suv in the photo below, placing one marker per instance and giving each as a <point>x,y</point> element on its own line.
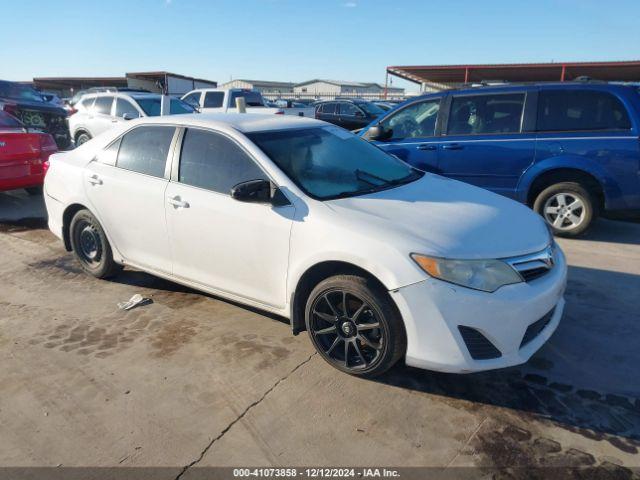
<point>349,114</point>
<point>28,106</point>
<point>569,150</point>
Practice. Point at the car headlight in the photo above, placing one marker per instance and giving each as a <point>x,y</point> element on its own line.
<point>485,275</point>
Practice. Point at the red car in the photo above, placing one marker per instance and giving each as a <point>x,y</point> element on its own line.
<point>24,155</point>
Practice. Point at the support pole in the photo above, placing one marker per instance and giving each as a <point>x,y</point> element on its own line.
<point>564,71</point>
<point>386,83</point>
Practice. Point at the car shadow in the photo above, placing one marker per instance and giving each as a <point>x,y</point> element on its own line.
<point>586,378</point>
<point>613,231</point>
<point>19,206</point>
<point>136,278</point>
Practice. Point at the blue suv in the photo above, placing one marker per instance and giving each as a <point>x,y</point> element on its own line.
<point>568,150</point>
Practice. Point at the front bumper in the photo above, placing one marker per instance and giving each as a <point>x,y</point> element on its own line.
<point>433,310</point>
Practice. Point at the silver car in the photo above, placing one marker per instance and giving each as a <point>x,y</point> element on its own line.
<point>99,112</point>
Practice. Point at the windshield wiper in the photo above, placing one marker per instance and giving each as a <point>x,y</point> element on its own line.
<point>414,175</point>
<point>360,173</point>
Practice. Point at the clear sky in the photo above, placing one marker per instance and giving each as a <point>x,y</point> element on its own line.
<point>296,40</point>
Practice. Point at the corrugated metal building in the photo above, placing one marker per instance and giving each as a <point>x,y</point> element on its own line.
<point>266,87</point>
<point>177,84</point>
<point>322,87</point>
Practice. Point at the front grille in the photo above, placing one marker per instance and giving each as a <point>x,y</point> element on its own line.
<point>533,266</point>
<point>532,274</point>
<point>536,328</point>
<point>479,347</point>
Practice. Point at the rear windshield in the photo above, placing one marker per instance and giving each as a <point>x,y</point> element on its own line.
<point>19,92</point>
<point>151,106</point>
<point>7,121</point>
<point>252,99</point>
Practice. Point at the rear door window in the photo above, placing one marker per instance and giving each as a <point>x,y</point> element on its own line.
<point>103,105</point>
<point>251,98</point>
<point>124,106</point>
<point>348,109</point>
<point>580,110</point>
<point>87,103</point>
<point>486,114</point>
<point>145,150</point>
<point>328,108</point>
<point>213,99</point>
<point>214,162</point>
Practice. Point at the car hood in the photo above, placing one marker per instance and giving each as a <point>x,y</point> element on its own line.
<point>443,217</point>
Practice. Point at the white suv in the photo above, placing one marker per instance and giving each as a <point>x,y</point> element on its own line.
<point>99,112</point>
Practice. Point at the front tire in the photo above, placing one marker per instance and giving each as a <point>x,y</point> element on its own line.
<point>354,325</point>
<point>567,207</point>
<point>91,246</point>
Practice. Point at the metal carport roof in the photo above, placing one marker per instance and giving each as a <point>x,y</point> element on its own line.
<point>518,72</point>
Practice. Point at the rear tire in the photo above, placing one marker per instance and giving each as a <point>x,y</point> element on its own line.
<point>568,208</point>
<point>81,138</point>
<point>91,246</point>
<point>354,325</point>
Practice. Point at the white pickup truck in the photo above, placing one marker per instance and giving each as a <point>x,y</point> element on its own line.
<point>218,100</point>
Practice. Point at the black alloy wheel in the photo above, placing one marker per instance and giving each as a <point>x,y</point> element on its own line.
<point>354,326</point>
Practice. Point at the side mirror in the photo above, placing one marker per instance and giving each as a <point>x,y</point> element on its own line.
<point>377,132</point>
<point>128,116</point>
<point>358,113</point>
<point>259,191</point>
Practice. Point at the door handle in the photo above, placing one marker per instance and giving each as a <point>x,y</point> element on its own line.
<point>452,146</point>
<point>427,146</point>
<point>177,202</point>
<point>95,180</point>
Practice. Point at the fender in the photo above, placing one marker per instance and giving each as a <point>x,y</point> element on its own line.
<point>296,272</point>
<point>389,280</point>
<point>574,162</point>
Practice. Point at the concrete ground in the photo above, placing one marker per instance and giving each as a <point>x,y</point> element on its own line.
<point>192,380</point>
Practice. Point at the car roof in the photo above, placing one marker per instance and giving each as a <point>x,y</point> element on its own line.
<point>134,95</point>
<point>517,87</point>
<point>243,122</point>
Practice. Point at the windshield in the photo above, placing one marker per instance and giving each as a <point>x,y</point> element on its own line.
<point>329,162</point>
<point>371,108</point>
<point>252,99</point>
<point>19,92</point>
<point>151,106</point>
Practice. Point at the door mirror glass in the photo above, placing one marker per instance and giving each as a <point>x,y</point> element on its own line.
<point>378,132</point>
<point>259,191</point>
<point>253,191</point>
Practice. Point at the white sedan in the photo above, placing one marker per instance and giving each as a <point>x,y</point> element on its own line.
<point>378,261</point>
